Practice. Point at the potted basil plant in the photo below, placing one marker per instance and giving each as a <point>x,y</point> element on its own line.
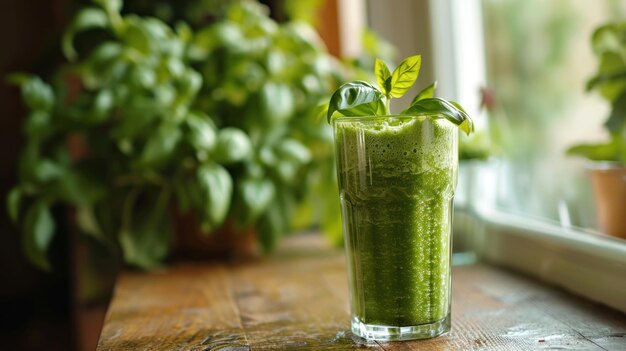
<point>607,166</point>
<point>150,128</point>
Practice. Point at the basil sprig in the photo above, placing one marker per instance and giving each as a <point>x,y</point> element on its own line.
<point>359,98</point>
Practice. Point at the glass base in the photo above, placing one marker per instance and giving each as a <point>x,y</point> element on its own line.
<point>390,333</point>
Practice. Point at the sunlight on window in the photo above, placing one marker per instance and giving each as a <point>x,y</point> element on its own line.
<point>539,58</point>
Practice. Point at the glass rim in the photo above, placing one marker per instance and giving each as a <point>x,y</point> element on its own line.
<point>422,115</point>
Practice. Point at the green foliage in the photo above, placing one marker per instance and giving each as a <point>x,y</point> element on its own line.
<point>383,76</point>
<point>613,150</point>
<point>405,75</point>
<point>217,119</point>
<point>38,231</point>
<point>609,44</point>
<point>233,146</point>
<point>357,98</point>
<point>426,93</point>
<point>87,18</point>
<point>14,199</point>
<point>360,98</point>
<point>449,109</point>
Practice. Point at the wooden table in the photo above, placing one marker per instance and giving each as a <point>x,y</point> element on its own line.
<point>298,300</point>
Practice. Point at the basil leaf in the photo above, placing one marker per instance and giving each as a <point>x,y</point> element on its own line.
<point>161,145</point>
<point>88,223</point>
<point>294,150</point>
<point>78,187</point>
<point>216,189</point>
<point>146,239</point>
<point>87,18</point>
<point>255,196</point>
<point>287,170</point>
<point>450,110</point>
<point>405,75</point>
<point>202,135</point>
<point>38,124</point>
<point>136,36</point>
<point>270,227</point>
<point>233,145</point>
<point>383,76</point>
<point>47,170</point>
<point>38,231</point>
<point>426,93</point>
<point>14,201</point>
<point>189,83</point>
<point>276,102</point>
<point>276,219</point>
<point>356,98</point>
<point>36,93</point>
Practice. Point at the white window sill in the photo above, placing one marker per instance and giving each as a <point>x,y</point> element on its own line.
<point>589,264</point>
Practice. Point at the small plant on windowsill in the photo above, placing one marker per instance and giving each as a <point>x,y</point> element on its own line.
<point>608,159</point>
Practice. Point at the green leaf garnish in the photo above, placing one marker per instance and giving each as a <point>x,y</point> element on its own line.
<point>426,93</point>
<point>383,77</point>
<point>357,98</point>
<point>448,109</point>
<point>405,75</point>
<point>360,98</point>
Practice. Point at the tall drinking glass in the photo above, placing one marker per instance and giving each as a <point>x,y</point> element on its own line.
<point>397,177</point>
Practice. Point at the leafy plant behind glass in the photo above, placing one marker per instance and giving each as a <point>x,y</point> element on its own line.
<point>218,121</point>
<point>267,79</point>
<point>609,44</point>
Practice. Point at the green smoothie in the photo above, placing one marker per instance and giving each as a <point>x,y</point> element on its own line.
<point>397,176</point>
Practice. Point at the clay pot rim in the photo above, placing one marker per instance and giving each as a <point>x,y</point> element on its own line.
<point>604,166</point>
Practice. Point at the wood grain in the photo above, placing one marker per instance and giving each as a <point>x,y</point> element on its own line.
<point>298,300</point>
<point>182,308</point>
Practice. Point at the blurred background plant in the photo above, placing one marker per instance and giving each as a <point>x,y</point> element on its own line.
<point>608,167</point>
<point>609,45</point>
<point>218,120</point>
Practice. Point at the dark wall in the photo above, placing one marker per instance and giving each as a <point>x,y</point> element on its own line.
<point>34,306</point>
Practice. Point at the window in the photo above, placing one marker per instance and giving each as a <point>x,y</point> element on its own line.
<point>532,208</point>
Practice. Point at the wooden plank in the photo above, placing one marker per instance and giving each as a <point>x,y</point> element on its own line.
<point>298,300</point>
<point>182,308</point>
<point>286,304</point>
<point>493,309</point>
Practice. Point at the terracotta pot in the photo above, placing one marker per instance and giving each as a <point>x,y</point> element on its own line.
<point>609,188</point>
<point>227,242</point>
